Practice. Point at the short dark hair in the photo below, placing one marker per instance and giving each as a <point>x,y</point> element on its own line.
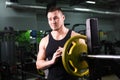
<point>53,8</point>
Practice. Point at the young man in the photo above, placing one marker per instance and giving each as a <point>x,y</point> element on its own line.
<point>51,46</point>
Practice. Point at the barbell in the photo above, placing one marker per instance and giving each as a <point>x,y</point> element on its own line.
<point>72,61</point>
<point>75,53</point>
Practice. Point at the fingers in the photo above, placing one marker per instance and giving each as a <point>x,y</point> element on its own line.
<point>57,54</point>
<point>59,50</point>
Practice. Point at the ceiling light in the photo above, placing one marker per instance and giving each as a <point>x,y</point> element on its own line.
<point>91,2</point>
<point>81,9</point>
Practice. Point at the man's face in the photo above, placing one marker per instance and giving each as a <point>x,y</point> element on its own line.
<point>56,20</point>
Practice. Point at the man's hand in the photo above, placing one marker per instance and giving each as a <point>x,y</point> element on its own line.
<point>57,54</point>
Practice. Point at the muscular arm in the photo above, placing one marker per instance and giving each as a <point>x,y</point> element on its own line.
<point>41,62</point>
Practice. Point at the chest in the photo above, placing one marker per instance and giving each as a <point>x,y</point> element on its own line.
<point>53,46</point>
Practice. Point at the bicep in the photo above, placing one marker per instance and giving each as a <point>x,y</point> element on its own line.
<point>41,53</point>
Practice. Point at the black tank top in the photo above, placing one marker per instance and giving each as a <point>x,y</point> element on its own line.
<point>57,71</point>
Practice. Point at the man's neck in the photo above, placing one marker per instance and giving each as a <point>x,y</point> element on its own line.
<point>59,34</point>
<point>60,30</point>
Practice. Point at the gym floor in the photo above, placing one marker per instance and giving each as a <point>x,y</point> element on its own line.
<point>109,77</point>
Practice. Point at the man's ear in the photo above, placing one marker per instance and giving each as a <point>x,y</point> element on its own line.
<point>64,17</point>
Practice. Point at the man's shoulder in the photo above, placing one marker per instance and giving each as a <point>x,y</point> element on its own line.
<point>45,38</point>
<point>44,41</point>
<point>74,33</point>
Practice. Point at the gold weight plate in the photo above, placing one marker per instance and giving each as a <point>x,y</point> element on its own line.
<point>73,63</point>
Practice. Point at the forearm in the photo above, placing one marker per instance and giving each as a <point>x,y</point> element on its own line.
<point>42,64</point>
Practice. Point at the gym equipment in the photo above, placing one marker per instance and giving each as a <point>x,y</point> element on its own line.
<point>81,30</point>
<point>70,58</point>
<point>8,46</point>
<point>15,61</point>
<point>5,71</point>
<point>7,53</point>
<point>75,54</point>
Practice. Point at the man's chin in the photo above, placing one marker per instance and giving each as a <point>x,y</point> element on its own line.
<point>55,29</point>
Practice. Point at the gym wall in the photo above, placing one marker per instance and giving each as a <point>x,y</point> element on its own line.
<point>25,19</point>
<point>18,19</point>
